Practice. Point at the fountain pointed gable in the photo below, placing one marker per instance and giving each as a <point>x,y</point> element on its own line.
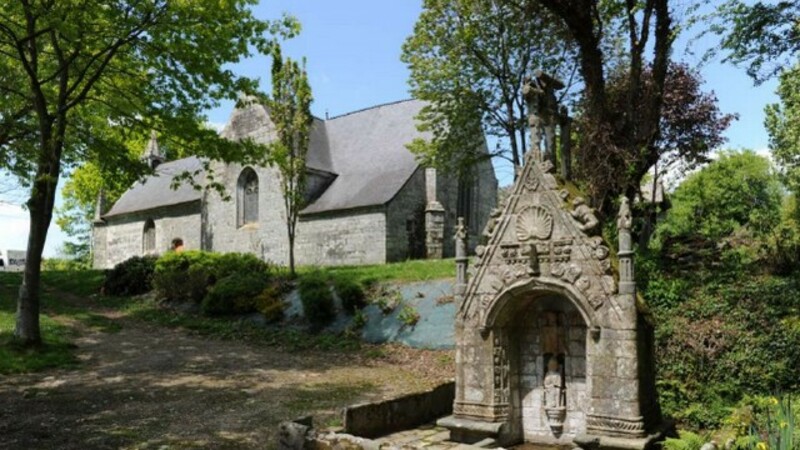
<point>550,349</point>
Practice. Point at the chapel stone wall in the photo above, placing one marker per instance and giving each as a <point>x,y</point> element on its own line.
<point>123,237</point>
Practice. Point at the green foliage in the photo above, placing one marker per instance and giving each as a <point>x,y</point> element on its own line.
<point>782,245</point>
<point>188,275</point>
<point>783,125</point>
<point>78,79</point>
<point>763,35</point>
<point>721,333</point>
<point>727,328</point>
<point>359,319</point>
<point>235,294</point>
<point>467,60</point>
<point>290,111</point>
<point>64,264</point>
<point>387,297</point>
<point>352,295</point>
<point>762,422</point>
<point>91,180</point>
<point>270,301</point>
<point>408,316</point>
<point>317,298</point>
<point>737,193</point>
<point>686,441</point>
<point>412,270</point>
<point>133,276</point>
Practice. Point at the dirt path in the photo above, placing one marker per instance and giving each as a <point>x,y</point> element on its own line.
<point>157,388</point>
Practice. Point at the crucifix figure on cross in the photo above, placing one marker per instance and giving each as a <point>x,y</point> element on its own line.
<point>543,113</point>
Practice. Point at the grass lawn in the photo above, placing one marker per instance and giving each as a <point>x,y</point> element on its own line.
<point>56,350</point>
<point>406,271</point>
<point>60,316</point>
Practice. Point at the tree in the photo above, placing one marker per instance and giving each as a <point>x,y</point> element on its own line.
<point>620,144</point>
<point>763,36</point>
<point>468,59</point>
<point>290,111</point>
<point>690,127</point>
<point>739,189</point>
<point>783,125</point>
<point>76,75</point>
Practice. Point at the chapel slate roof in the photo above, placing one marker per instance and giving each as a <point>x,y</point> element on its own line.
<point>365,151</point>
<point>155,191</point>
<point>368,153</point>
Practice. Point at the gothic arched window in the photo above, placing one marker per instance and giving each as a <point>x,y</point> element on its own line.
<point>247,197</point>
<point>149,237</point>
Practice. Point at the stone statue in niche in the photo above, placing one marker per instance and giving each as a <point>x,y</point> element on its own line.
<point>554,395</point>
<point>583,215</point>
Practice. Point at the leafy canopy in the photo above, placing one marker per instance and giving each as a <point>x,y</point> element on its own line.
<point>764,36</point>
<point>783,125</point>
<point>126,68</point>
<point>737,190</point>
<point>468,59</point>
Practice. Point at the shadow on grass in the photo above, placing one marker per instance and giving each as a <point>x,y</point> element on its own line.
<point>287,338</point>
<point>17,358</point>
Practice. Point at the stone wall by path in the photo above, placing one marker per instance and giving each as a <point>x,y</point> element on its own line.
<point>380,418</point>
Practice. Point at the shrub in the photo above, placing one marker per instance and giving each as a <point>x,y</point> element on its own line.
<point>317,299</point>
<point>270,301</point>
<point>188,276</point>
<point>133,276</point>
<point>351,294</point>
<point>359,319</point>
<point>227,264</point>
<point>686,441</point>
<point>234,294</point>
<point>408,316</point>
<point>178,276</point>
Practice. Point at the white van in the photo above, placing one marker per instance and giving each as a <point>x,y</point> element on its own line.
<point>12,260</point>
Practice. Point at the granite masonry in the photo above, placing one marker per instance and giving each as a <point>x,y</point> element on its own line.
<point>369,201</point>
<point>552,347</point>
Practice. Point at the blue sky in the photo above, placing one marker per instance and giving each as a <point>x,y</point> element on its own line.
<point>353,55</point>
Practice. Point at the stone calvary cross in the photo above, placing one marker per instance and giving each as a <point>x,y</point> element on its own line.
<point>552,346</point>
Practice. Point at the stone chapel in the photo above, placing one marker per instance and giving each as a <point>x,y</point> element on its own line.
<point>368,200</point>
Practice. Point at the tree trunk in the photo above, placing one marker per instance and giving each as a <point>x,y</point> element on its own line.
<point>40,207</point>
<point>291,255</point>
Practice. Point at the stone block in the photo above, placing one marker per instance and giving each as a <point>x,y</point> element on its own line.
<point>627,368</point>
<point>603,366</point>
<point>625,348</point>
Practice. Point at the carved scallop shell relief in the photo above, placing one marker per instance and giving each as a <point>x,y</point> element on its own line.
<point>534,222</point>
